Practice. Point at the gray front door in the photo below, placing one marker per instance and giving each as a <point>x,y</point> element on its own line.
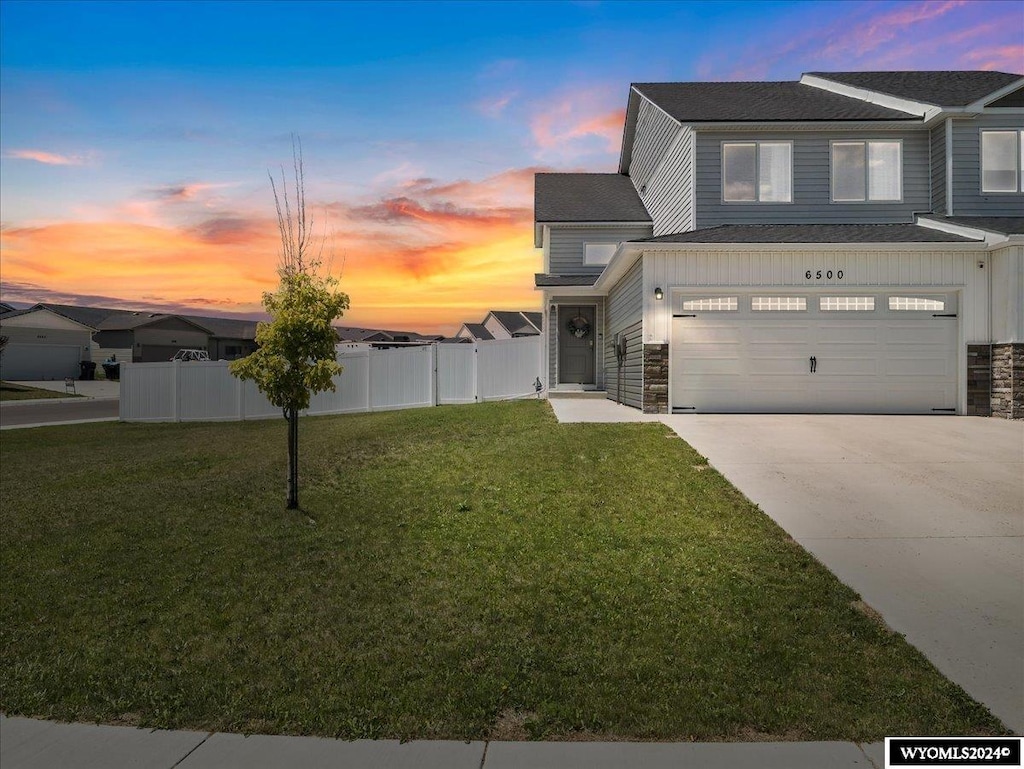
<point>576,335</point>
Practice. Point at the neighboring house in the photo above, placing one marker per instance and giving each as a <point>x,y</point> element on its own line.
<point>381,337</point>
<point>475,332</point>
<point>848,243</point>
<point>503,324</point>
<point>5,308</point>
<point>151,336</point>
<point>42,344</point>
<point>229,339</point>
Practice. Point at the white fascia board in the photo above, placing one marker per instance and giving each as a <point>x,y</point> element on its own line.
<point>538,235</point>
<point>880,246</point>
<point>996,95</point>
<point>581,225</point>
<point>810,125</point>
<point>631,120</point>
<point>918,108</point>
<point>990,238</point>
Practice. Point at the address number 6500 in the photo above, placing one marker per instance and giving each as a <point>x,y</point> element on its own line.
<point>827,274</point>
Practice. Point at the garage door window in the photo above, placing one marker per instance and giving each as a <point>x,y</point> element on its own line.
<point>846,303</point>
<point>777,303</point>
<point>716,303</point>
<point>915,303</point>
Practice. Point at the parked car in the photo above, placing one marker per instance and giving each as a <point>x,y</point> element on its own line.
<point>191,355</point>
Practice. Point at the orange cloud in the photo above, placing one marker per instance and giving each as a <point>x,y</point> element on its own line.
<point>47,158</point>
<point>428,260</point>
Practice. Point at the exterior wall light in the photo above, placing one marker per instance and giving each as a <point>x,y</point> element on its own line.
<point>659,294</point>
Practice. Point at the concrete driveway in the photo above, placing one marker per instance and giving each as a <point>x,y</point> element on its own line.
<point>923,516</point>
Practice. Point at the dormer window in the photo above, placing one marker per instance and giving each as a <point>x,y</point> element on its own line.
<point>757,172</point>
<point>867,171</point>
<point>1002,161</point>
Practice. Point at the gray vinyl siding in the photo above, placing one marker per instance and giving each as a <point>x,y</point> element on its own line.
<point>812,193</point>
<point>44,336</point>
<point>554,318</point>
<point>625,315</point>
<point>669,194</point>
<point>968,199</point>
<point>654,133</point>
<point>566,246</point>
<point>938,162</point>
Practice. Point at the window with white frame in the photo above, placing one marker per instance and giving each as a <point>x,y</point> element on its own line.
<point>864,171</point>
<point>598,253</point>
<point>777,303</point>
<point>1002,161</point>
<point>915,303</point>
<point>846,303</point>
<point>717,303</point>
<point>757,172</point>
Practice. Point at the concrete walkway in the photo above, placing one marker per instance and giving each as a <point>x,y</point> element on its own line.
<point>95,388</point>
<point>31,744</point>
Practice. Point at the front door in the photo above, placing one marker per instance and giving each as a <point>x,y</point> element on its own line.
<point>576,335</point>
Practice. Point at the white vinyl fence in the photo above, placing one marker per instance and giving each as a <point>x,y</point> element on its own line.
<point>371,380</point>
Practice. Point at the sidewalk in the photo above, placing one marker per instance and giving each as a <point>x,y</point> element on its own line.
<point>27,744</point>
<point>95,388</point>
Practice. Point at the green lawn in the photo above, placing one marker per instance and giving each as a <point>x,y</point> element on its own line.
<point>458,572</point>
<point>15,392</point>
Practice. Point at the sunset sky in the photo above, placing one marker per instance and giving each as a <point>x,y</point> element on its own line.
<point>135,138</point>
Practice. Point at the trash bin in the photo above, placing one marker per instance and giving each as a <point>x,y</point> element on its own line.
<point>112,370</point>
<point>88,370</point>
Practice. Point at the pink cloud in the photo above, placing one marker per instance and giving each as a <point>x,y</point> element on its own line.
<point>568,127</point>
<point>494,106</point>
<point>1008,58</point>
<point>47,158</point>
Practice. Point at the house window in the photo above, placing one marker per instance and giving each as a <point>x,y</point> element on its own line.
<point>598,253</point>
<point>778,303</point>
<point>724,303</point>
<point>846,303</point>
<point>1002,161</point>
<point>915,303</point>
<point>867,171</point>
<point>757,172</point>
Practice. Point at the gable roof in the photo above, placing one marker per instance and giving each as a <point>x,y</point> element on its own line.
<point>760,102</point>
<point>127,321</point>
<point>954,88</point>
<point>587,198</point>
<point>811,233</point>
<point>4,307</point>
<point>515,322</point>
<point>1012,99</point>
<point>7,316</point>
<point>1002,225</point>
<point>88,316</point>
<point>225,328</point>
<point>478,331</point>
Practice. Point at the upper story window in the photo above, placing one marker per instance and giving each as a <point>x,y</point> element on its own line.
<point>599,253</point>
<point>864,171</point>
<point>757,172</point>
<point>1002,161</point>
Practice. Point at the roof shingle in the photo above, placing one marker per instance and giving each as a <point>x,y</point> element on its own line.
<point>587,198</point>
<point>760,102</point>
<point>943,89</point>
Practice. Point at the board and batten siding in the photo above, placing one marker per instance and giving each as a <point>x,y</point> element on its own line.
<point>669,193</point>
<point>937,141</point>
<point>968,199</point>
<point>1008,294</point>
<point>625,315</point>
<point>553,318</point>
<point>812,171</point>
<point>567,245</point>
<point>775,270</point>
<point>654,134</point>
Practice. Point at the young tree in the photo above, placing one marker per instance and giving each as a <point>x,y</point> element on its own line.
<point>296,354</point>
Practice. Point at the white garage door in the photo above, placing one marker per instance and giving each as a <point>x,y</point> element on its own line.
<point>26,362</point>
<point>869,353</point>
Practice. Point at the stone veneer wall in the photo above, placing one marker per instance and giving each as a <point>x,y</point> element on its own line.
<point>979,380</point>
<point>1007,381</point>
<point>656,378</point>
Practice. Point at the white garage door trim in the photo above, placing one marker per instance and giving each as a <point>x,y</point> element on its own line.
<point>825,351</point>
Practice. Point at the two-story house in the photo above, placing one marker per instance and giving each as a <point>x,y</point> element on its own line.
<point>849,243</point>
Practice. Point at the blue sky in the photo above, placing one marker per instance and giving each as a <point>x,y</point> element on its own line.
<point>135,138</point>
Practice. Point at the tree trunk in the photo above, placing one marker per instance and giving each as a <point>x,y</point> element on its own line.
<point>293,458</point>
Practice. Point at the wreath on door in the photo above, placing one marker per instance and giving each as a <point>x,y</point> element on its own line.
<point>579,327</point>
